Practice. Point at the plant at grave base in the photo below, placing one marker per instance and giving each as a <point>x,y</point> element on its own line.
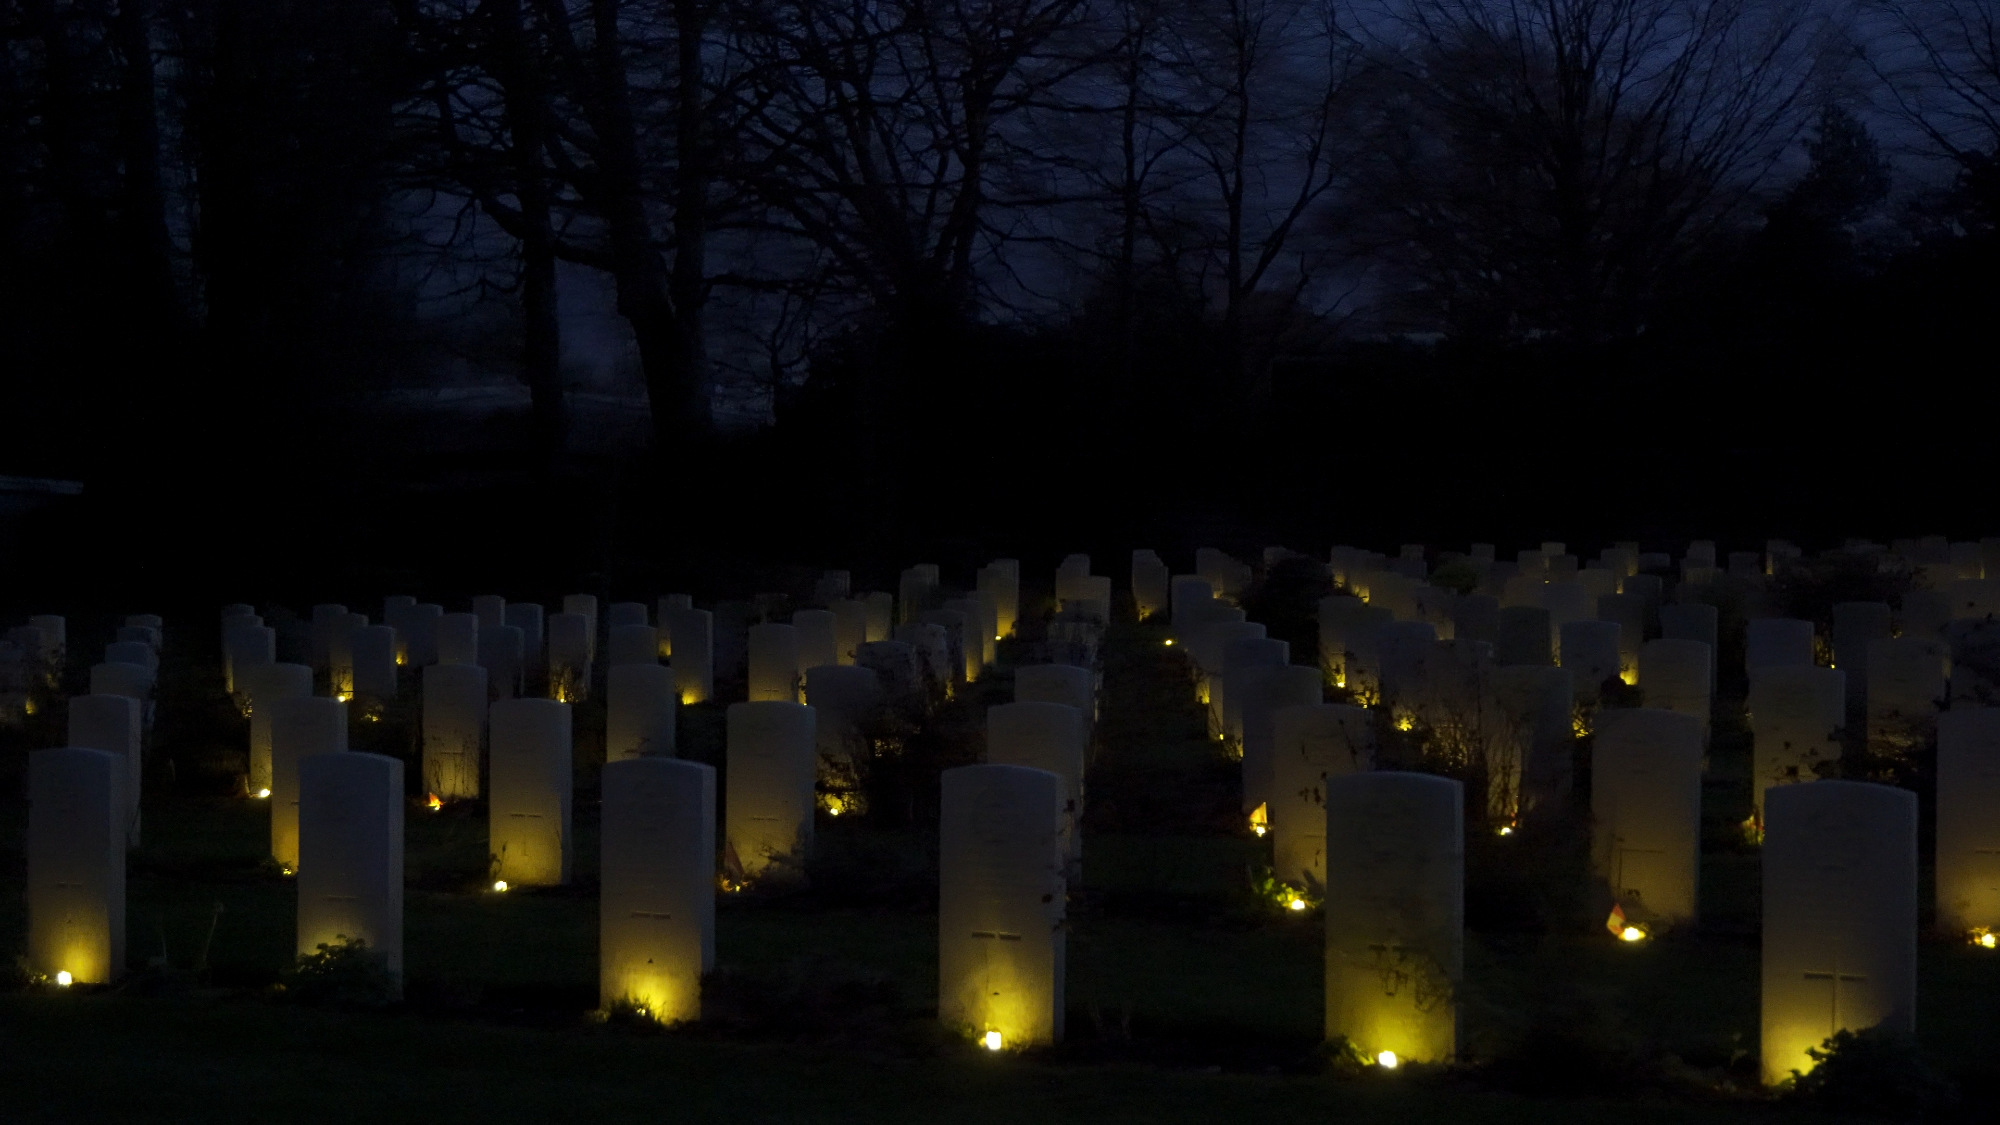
<point>630,1015</point>
<point>1752,829</point>
<point>1289,898</point>
<point>344,972</point>
<point>1875,1071</point>
<point>1984,938</point>
<point>1582,719</point>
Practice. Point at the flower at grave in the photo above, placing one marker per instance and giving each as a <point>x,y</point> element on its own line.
<point>64,979</point>
<point>283,870</point>
<point>991,1041</point>
<point>1984,938</point>
<point>1260,819</point>
<point>1623,928</point>
<point>28,706</point>
<point>1387,1060</point>
<point>1405,722</point>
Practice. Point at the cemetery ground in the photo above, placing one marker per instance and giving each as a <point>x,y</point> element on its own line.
<point>1191,994</point>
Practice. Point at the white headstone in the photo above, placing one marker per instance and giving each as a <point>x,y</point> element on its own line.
<point>1677,675</point>
<point>817,639</point>
<point>528,804</point>
<point>326,617</point>
<point>1263,692</point>
<point>625,613</point>
<point>244,644</point>
<point>132,681</point>
<point>569,657</point>
<point>76,865</point>
<point>1840,917</point>
<point>1311,742</point>
<point>111,723</point>
<point>774,664</point>
<point>1906,679</point>
<point>455,710</point>
<point>694,654</point>
<point>1856,625</point>
<point>1001,904</point>
<point>632,644</point>
<point>881,610</point>
<point>850,628</point>
<point>490,609</point>
<point>1058,683</point>
<point>1395,914</point>
<point>771,769</point>
<point>641,703</point>
<point>1968,821</point>
<point>1044,736</point>
<point>1645,804</point>
<point>458,638</point>
<point>351,854</point>
<point>584,606</point>
<point>1590,653</point>
<point>423,620</point>
<point>656,905</point>
<point>261,686</point>
<point>373,650</point>
<point>1796,713</point>
<point>503,652</point>
<point>530,620</point>
<point>301,727</point>
<point>1777,642</point>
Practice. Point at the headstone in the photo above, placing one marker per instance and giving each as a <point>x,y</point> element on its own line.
<point>529,619</point>
<point>1150,578</point>
<point>1777,642</point>
<point>656,903</point>
<point>1058,683</point>
<point>770,772</point>
<point>1630,612</point>
<point>326,617</point>
<point>246,644</point>
<point>843,698</point>
<point>1796,713</point>
<point>1395,914</point>
<point>1044,736</point>
<point>261,686</point>
<point>1527,740</point>
<point>503,653</point>
<point>881,608</point>
<point>132,681</point>
<point>424,619</point>
<point>76,865</point>
<point>569,657</point>
<point>896,663</point>
<point>1476,617</point>
<point>1590,653</point>
<point>351,854</point>
<point>1237,658</point>
<point>1001,905</point>
<point>641,703</point>
<point>1968,822</point>
<point>1645,804</point>
<point>625,613</point>
<point>694,654</point>
<point>1183,593</point>
<point>458,638</point>
<point>819,640</point>
<point>301,727</point>
<point>529,799</point>
<point>774,664</point>
<point>1856,625</point>
<point>1311,743</point>
<point>373,650</point>
<point>133,652</point>
<point>632,644</point>
<point>1676,675</point>
<point>111,723</point>
<point>455,712</point>
<point>668,605</point>
<point>1524,636</point>
<point>1840,917</point>
<point>584,606</point>
<point>1906,679</point>
<point>490,609</point>
<point>1693,621</point>
<point>850,628</point>
<point>1264,692</point>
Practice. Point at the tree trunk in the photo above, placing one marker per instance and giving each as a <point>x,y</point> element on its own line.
<point>527,119</point>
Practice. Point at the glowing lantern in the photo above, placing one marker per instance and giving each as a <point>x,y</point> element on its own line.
<point>500,885</point>
<point>1387,1060</point>
<point>991,1040</point>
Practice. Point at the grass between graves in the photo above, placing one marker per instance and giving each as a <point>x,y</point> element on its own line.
<point>1189,997</point>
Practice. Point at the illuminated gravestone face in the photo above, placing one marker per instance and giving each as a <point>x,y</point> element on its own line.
<point>111,723</point>
<point>1206,646</point>
<point>1676,676</point>
<point>326,618</point>
<point>1150,578</point>
<point>1645,805</point>
<point>1526,737</point>
<point>625,613</point>
<point>503,653</point>
<point>528,808</point>
<point>76,864</point>
<point>915,587</point>
<point>490,609</point>
<point>424,620</point>
<point>641,703</point>
<point>1225,707</point>
<point>351,854</point>
<point>1840,916</point>
<point>1856,625</point>
<point>1001,904</point>
<point>1525,636</point>
<point>133,682</point>
<point>569,657</point>
<point>458,638</point>
<point>850,628</point>
<point>584,606</point>
<point>373,650</point>
<point>1796,712</point>
<point>1310,743</point>
<point>656,908</point>
<point>770,770</point>
<point>1566,602</point>
<point>1777,642</point>
<point>632,644</point>
<point>694,654</point>
<point>1906,678</point>
<point>1264,692</point>
<point>1590,654</point>
<point>246,644</point>
<point>1437,607</point>
<point>301,727</point>
<point>818,640</point>
<point>774,664</point>
<point>1630,612</point>
<point>1395,872</point>
<point>881,615</point>
<point>261,686</point>
<point>1968,821</point>
<point>669,603</point>
<point>455,704</point>
<point>1044,736</point>
<point>1001,578</point>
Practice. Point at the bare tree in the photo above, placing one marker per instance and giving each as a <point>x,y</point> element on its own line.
<point>1541,168</point>
<point>1940,69</point>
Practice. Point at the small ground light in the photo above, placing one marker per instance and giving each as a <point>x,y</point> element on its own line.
<point>64,979</point>
<point>1506,830</point>
<point>1387,1060</point>
<point>263,794</point>
<point>1296,903</point>
<point>1170,642</point>
<point>1985,939</point>
<point>435,802</point>
<point>1631,933</point>
<point>500,885</point>
<point>991,1041</point>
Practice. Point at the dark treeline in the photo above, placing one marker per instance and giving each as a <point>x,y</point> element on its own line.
<point>1089,271</point>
